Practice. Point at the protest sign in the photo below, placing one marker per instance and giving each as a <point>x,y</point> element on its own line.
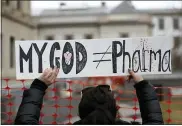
<point>94,57</point>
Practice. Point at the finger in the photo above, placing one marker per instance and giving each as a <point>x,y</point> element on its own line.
<point>54,75</point>
<point>127,78</point>
<point>54,70</point>
<point>49,73</point>
<point>57,71</point>
<point>45,72</point>
<point>131,72</point>
<point>130,77</point>
<point>52,78</point>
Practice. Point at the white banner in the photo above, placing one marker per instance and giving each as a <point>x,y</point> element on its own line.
<point>94,57</point>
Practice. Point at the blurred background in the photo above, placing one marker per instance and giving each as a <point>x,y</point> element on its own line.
<point>58,20</point>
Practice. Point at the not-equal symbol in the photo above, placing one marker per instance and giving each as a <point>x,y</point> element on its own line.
<point>101,60</point>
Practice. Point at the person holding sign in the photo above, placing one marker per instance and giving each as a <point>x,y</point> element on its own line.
<point>97,105</point>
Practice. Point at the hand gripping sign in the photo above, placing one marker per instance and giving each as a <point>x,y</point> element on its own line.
<point>94,57</point>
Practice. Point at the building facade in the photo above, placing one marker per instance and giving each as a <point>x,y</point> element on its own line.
<point>17,24</point>
<point>90,23</point>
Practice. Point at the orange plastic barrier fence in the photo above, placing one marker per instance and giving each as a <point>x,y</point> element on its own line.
<point>62,98</point>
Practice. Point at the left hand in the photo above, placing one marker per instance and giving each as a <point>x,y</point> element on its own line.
<point>137,78</point>
<point>49,76</point>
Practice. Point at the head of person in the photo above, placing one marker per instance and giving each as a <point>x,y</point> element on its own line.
<point>97,105</point>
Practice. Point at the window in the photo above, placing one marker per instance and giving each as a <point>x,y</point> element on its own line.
<point>7,2</point>
<point>1,42</point>
<point>1,37</point>
<point>12,51</point>
<point>18,4</point>
<point>124,35</point>
<point>176,42</point>
<point>161,23</point>
<point>68,37</point>
<point>88,36</point>
<point>49,37</point>
<point>175,23</point>
<point>176,58</point>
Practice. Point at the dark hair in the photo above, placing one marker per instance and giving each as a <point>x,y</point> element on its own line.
<point>97,106</point>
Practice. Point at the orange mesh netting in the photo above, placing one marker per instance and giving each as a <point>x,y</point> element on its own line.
<point>62,99</point>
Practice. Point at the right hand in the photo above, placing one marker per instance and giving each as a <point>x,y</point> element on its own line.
<point>49,75</point>
<point>137,78</point>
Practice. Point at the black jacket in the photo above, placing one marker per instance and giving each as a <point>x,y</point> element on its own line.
<point>29,110</point>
